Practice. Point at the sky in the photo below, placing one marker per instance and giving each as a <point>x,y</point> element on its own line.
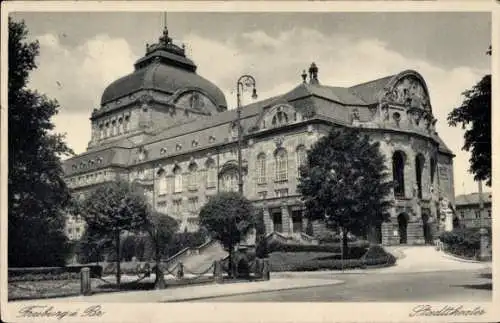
<point>81,53</point>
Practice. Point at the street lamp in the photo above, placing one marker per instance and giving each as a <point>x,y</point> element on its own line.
<point>483,232</point>
<point>245,81</point>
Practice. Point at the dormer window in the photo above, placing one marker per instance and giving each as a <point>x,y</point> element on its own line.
<point>178,147</point>
<point>163,151</point>
<point>211,139</point>
<point>194,143</point>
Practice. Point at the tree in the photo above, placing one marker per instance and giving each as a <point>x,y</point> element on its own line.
<point>475,115</point>
<point>344,182</point>
<point>161,229</point>
<point>37,193</point>
<point>112,209</point>
<point>229,217</point>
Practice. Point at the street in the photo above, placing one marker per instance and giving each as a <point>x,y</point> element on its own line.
<point>443,286</point>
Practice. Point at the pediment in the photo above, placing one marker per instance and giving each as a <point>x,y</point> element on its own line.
<point>408,90</point>
<point>194,101</point>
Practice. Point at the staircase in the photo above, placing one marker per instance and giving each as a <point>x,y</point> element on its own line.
<point>198,259</point>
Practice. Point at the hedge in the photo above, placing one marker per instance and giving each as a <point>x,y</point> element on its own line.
<point>374,256</point>
<point>356,248</point>
<point>51,273</point>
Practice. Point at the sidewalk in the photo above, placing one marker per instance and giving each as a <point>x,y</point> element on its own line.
<point>195,292</point>
<point>419,259</point>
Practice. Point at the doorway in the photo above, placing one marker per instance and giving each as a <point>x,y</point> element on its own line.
<point>403,228</point>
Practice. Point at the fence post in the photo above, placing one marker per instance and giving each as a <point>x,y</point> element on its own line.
<point>217,272</point>
<point>85,287</point>
<point>180,271</point>
<point>265,269</point>
<point>258,268</point>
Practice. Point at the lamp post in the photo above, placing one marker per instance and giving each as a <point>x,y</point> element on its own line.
<point>483,254</point>
<point>245,81</point>
<point>159,279</point>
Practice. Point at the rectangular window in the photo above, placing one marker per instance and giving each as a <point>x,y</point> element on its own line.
<point>177,206</point>
<point>262,195</point>
<point>489,213</point>
<point>277,221</point>
<point>211,177</point>
<point>162,186</point>
<point>178,183</point>
<point>193,204</point>
<point>281,192</point>
<point>192,184</point>
<point>261,170</point>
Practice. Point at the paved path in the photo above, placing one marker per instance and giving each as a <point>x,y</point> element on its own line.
<point>196,292</point>
<point>438,286</point>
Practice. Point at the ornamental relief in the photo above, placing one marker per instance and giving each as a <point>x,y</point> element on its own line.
<point>409,92</point>
<point>195,101</point>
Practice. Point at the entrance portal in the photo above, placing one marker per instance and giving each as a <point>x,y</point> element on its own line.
<point>403,228</point>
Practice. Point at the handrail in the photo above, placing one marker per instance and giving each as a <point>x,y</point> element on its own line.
<point>187,249</point>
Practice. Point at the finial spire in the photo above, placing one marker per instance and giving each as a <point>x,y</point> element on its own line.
<point>304,76</point>
<point>313,74</point>
<point>165,39</point>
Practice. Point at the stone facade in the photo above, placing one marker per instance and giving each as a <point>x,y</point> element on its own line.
<point>181,144</point>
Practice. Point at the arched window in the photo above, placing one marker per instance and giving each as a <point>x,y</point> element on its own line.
<point>280,119</point>
<point>162,182</point>
<point>229,180</point>
<point>301,157</point>
<point>192,184</point>
<point>281,162</point>
<point>106,131</point>
<point>101,131</point>
<point>211,173</point>
<point>177,180</point>
<point>260,168</point>
<point>120,126</point>
<point>419,166</point>
<point>113,128</point>
<point>398,173</point>
<point>433,169</point>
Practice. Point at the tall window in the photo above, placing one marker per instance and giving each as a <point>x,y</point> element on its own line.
<point>433,169</point>
<point>162,182</point>
<point>192,184</point>
<point>230,181</point>
<point>419,165</point>
<point>120,126</point>
<point>193,205</point>
<point>261,168</point>
<point>398,168</point>
<point>177,207</point>
<point>177,180</point>
<point>211,173</point>
<point>281,165</point>
<point>301,157</point>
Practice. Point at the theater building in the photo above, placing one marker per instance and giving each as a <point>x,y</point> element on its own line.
<point>169,129</point>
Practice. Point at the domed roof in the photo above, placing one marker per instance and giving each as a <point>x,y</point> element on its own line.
<point>164,68</point>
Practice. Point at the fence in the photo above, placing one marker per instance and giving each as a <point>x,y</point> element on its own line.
<point>32,284</point>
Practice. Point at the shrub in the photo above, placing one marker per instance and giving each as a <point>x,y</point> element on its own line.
<point>376,256</point>
<point>463,242</point>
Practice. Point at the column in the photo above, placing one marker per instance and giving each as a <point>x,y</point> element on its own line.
<point>268,222</point>
<point>286,221</point>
